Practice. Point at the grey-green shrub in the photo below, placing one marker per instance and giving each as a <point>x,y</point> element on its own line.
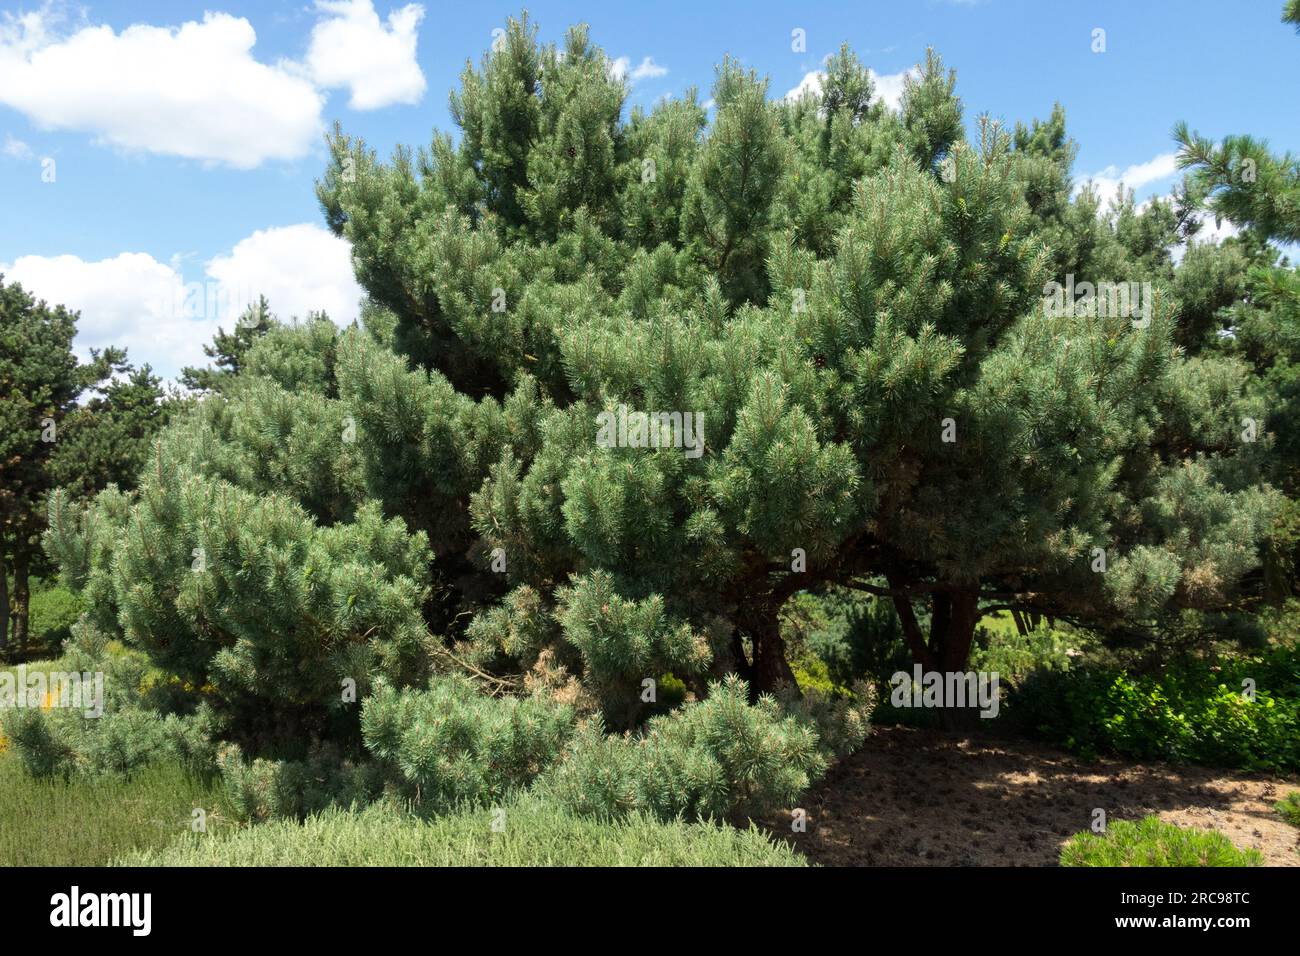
<point>528,832</point>
<point>708,759</point>
<point>452,744</point>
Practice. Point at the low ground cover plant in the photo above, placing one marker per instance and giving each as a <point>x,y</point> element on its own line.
<point>1152,842</point>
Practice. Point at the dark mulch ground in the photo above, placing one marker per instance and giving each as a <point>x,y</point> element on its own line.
<point>932,798</point>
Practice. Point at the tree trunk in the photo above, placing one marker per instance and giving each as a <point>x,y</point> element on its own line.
<point>22,602</point>
<point>962,616</point>
<point>953,616</point>
<point>4,605</point>
<point>769,668</point>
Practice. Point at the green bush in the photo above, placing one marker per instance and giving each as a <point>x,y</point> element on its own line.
<point>264,789</point>
<point>453,744</point>
<point>713,759</point>
<point>1001,649</point>
<point>1152,842</point>
<point>528,832</point>
<point>52,612</point>
<point>1194,712</point>
<point>132,731</point>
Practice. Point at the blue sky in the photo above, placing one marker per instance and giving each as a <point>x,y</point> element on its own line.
<point>162,175</point>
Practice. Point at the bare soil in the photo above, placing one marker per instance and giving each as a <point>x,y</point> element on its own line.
<point>933,798</point>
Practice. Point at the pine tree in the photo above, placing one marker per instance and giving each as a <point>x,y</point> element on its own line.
<point>42,429</point>
<point>851,305</point>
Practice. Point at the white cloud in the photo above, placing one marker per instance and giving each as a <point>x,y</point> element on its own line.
<point>135,301</point>
<point>811,83</point>
<point>16,148</point>
<point>352,48</point>
<point>298,268</point>
<point>1107,182</point>
<point>194,91</point>
<point>647,69</point>
<point>131,300</point>
<point>888,86</point>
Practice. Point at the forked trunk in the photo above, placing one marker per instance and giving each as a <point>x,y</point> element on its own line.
<point>953,617</point>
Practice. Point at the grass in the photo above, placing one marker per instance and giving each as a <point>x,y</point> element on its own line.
<point>88,823</point>
<point>532,833</point>
<point>1152,842</point>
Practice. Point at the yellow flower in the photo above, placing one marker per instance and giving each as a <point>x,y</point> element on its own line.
<point>48,702</point>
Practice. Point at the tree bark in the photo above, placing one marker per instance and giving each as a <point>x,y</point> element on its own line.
<point>4,604</point>
<point>769,668</point>
<point>953,617</point>
<point>22,602</point>
<point>962,616</point>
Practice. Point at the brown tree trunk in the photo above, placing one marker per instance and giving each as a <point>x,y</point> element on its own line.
<point>770,669</point>
<point>4,604</point>
<point>22,602</point>
<point>953,616</point>
<point>962,616</point>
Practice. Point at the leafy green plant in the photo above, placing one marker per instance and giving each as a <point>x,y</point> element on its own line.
<point>1196,711</point>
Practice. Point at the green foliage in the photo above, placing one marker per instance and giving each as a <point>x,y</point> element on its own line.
<point>622,643</point>
<point>826,285</point>
<point>711,759</point>
<point>452,745</point>
<point>219,586</point>
<point>1289,808</point>
<point>1152,842</point>
<point>54,609</point>
<point>48,436</point>
<point>527,832</point>
<point>85,822</point>
<point>264,789</point>
<point>1195,711</point>
<point>136,727</point>
<point>229,349</point>
<point>1014,657</point>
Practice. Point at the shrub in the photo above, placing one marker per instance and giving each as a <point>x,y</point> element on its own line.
<point>624,642</point>
<point>263,789</point>
<point>52,612</point>
<point>1194,712</point>
<point>1152,842</point>
<point>132,732</point>
<point>713,759</point>
<point>528,832</point>
<point>452,744</point>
